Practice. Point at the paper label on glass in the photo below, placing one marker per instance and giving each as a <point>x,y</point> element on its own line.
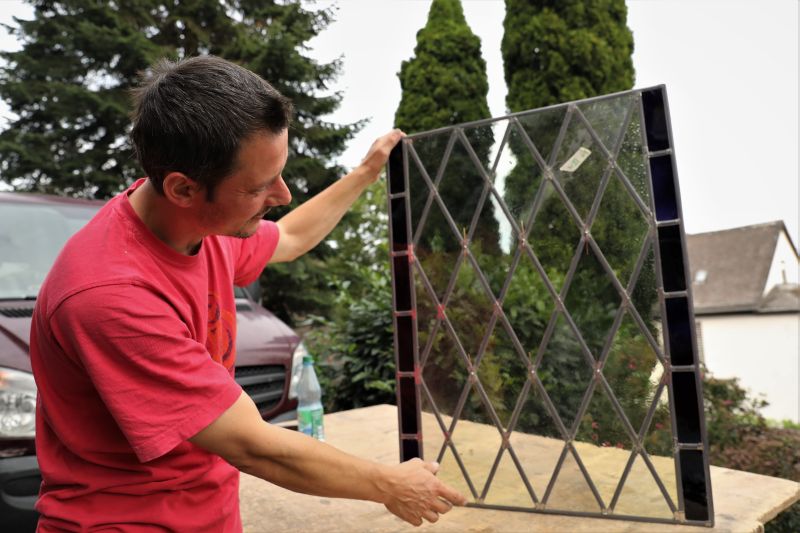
<point>572,164</point>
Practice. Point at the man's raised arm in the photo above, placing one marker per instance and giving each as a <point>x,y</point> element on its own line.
<point>304,227</point>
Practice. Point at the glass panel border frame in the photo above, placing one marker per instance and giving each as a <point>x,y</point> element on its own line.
<point>681,365</point>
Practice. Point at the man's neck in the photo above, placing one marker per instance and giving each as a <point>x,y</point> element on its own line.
<point>167,221</point>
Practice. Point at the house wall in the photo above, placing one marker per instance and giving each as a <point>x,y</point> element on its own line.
<point>784,260</point>
<point>762,351</point>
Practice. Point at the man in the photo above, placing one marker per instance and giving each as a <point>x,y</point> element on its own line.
<point>140,425</point>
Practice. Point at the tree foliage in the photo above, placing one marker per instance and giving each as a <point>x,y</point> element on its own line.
<point>557,51</point>
<point>68,87</point>
<point>445,82</point>
<point>354,344</point>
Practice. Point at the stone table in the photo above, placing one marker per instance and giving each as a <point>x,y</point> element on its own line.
<point>743,502</point>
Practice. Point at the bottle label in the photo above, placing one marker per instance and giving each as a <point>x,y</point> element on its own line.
<point>309,421</point>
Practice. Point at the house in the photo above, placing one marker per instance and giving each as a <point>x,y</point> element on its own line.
<point>747,311</point>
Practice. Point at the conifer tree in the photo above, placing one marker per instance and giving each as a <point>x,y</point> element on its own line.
<point>555,52</point>
<point>443,84</point>
<point>68,87</point>
<point>558,51</point>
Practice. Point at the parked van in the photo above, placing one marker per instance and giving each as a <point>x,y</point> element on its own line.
<point>33,229</point>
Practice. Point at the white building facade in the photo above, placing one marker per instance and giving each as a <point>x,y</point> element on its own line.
<point>747,311</point>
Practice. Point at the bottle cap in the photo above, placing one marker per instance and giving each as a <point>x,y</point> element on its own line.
<point>308,360</point>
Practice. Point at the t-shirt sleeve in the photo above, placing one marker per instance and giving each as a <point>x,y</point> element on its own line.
<point>160,386</point>
<point>255,252</point>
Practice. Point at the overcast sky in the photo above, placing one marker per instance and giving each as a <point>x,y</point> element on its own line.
<point>730,67</point>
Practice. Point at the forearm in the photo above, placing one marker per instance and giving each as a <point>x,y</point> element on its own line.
<point>298,463</point>
<point>312,221</point>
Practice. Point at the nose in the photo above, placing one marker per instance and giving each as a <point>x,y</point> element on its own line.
<point>280,194</point>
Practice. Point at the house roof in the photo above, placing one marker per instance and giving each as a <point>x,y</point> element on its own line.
<point>736,264</point>
<point>781,298</point>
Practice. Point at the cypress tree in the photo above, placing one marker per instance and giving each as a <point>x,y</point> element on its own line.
<point>555,52</point>
<point>68,87</point>
<point>444,84</point>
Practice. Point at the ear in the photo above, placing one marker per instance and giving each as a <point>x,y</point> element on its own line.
<point>182,190</point>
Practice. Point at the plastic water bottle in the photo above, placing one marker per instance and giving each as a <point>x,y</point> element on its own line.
<point>309,396</point>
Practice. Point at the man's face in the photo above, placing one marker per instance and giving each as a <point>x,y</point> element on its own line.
<point>241,200</point>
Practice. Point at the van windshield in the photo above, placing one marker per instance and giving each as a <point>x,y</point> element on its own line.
<point>31,236</point>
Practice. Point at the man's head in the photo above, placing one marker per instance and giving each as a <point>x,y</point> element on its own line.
<point>192,117</point>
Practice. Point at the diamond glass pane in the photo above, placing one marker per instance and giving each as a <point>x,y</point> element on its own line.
<point>545,381</point>
<point>565,371</point>
<point>424,158</point>
<point>641,494</point>
<point>619,229</point>
<point>476,439</point>
<point>433,427</point>
<point>604,444</point>
<point>542,127</point>
<point>444,372</point>
<point>571,490</point>
<point>510,208</point>
<point>535,439</point>
<point>607,119</point>
<point>502,371</point>
<point>451,471</point>
<point>553,235</point>
<point>507,487</point>
<point>629,158</point>
<point>580,164</point>
<point>592,301</point>
<point>527,305</point>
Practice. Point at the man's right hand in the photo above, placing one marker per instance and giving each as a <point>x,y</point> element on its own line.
<point>413,492</point>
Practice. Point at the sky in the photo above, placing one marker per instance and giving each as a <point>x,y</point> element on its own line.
<point>730,68</point>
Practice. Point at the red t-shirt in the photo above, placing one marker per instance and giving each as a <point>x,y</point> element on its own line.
<point>132,351</point>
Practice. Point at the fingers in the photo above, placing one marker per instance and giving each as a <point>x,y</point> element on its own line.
<point>396,134</point>
<point>438,507</point>
<point>379,152</point>
<point>431,467</point>
<point>451,495</point>
<point>392,138</point>
<point>423,497</point>
<point>441,506</point>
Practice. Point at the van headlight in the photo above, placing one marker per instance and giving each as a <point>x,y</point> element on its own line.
<point>17,404</point>
<point>297,368</point>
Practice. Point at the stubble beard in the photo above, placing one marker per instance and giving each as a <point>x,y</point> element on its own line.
<point>245,234</point>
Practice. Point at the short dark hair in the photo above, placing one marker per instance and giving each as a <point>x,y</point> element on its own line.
<point>191,116</point>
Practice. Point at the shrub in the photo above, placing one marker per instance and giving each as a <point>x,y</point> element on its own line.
<point>740,438</point>
<point>355,353</point>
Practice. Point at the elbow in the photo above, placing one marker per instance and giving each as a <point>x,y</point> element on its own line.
<point>289,248</point>
<point>294,253</point>
<point>243,459</point>
<point>240,460</point>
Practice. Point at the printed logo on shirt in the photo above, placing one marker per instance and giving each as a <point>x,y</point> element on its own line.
<point>221,332</point>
